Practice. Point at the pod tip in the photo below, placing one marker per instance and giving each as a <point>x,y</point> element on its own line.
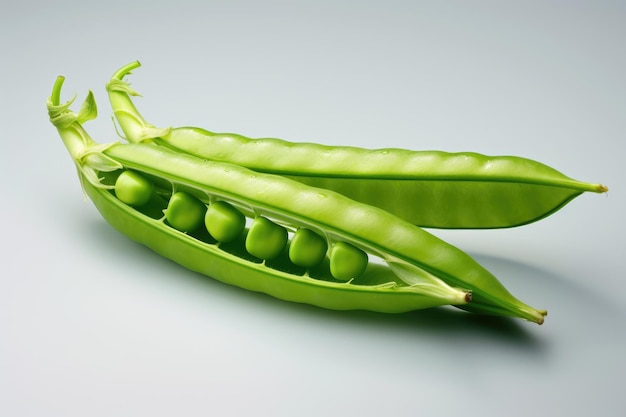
<point>543,313</point>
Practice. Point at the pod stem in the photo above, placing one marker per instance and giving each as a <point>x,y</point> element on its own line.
<point>87,154</point>
<point>134,127</point>
<point>126,69</point>
<point>55,96</point>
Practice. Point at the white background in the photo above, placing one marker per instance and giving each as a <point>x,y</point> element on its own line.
<point>92,324</point>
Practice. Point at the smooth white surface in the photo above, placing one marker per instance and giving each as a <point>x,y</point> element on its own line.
<point>92,324</point>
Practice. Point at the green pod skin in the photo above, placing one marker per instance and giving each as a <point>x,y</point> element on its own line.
<point>406,248</point>
<point>428,188</point>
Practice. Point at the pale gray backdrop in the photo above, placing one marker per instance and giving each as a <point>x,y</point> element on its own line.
<point>92,324</point>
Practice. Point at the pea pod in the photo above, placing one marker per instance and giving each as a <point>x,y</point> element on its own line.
<point>416,269</point>
<point>428,188</point>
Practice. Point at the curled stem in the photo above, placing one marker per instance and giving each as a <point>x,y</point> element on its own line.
<point>126,69</point>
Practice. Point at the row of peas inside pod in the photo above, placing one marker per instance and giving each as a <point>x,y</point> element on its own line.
<point>294,249</point>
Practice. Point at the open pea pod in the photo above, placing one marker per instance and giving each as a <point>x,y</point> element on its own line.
<point>428,188</point>
<point>353,255</point>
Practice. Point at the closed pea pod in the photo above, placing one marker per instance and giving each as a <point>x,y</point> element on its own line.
<point>438,272</point>
<point>428,188</point>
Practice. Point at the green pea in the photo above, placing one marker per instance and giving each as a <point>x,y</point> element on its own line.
<point>307,248</point>
<point>266,239</point>
<point>133,188</point>
<point>224,222</point>
<point>347,261</point>
<point>184,212</point>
